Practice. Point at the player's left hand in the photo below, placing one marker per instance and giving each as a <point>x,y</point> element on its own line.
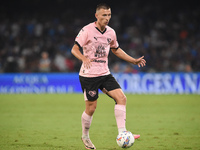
<point>140,62</point>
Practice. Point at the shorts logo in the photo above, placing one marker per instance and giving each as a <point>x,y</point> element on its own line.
<point>92,93</point>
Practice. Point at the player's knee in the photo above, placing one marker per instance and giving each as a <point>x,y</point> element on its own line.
<point>122,100</point>
<point>92,108</point>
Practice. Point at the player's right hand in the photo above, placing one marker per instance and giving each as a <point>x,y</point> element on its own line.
<point>87,63</point>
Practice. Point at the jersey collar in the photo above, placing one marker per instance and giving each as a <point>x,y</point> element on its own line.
<point>102,32</point>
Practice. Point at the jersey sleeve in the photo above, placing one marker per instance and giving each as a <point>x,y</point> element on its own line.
<point>81,38</point>
<point>114,43</point>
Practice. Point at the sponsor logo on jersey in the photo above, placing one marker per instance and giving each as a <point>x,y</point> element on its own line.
<point>95,38</point>
<point>100,51</point>
<point>99,61</point>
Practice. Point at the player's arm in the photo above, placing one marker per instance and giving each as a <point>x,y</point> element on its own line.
<point>76,52</point>
<point>121,54</point>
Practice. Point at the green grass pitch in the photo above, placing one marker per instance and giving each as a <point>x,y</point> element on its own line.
<point>53,122</point>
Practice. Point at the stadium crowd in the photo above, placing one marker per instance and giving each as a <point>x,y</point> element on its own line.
<point>40,41</point>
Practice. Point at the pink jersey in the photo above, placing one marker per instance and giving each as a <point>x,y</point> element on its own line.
<point>96,46</point>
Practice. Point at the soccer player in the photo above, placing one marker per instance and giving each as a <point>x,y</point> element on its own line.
<point>96,40</point>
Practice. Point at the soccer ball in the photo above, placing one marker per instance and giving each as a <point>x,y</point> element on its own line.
<point>125,139</point>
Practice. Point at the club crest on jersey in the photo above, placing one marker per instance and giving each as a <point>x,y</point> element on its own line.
<point>109,40</point>
<point>92,93</point>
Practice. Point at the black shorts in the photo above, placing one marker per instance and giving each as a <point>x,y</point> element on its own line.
<point>90,86</point>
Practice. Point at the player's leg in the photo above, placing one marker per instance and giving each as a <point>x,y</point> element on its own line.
<point>90,91</point>
<point>113,89</point>
<point>120,109</point>
<point>86,120</point>
<point>87,116</point>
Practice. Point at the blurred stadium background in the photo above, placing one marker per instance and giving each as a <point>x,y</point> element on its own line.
<point>36,36</point>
